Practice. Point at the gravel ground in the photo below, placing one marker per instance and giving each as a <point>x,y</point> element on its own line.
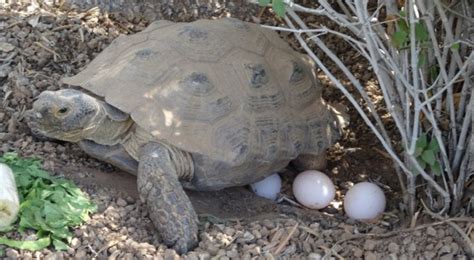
<point>38,46</point>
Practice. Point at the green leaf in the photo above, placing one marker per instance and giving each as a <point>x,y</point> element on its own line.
<point>263,2</point>
<point>421,59</point>
<point>434,72</point>
<point>434,146</point>
<point>279,7</point>
<point>49,205</point>
<point>403,26</point>
<point>60,245</point>
<point>422,163</point>
<point>422,142</point>
<point>399,39</point>
<point>455,46</point>
<point>26,245</point>
<point>421,32</point>
<point>429,157</point>
<point>403,13</point>
<point>436,168</point>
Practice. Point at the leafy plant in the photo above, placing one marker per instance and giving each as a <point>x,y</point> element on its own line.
<point>426,153</point>
<point>49,205</point>
<point>277,5</point>
<point>401,39</point>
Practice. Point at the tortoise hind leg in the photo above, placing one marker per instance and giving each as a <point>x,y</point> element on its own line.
<point>168,205</point>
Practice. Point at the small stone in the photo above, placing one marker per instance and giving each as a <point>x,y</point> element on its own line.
<point>370,245</point>
<point>441,233</point>
<point>12,253</point>
<point>444,250</point>
<point>431,231</point>
<point>170,254</point>
<point>429,254</point>
<point>81,255</point>
<point>75,243</point>
<point>212,249</point>
<point>412,247</point>
<point>204,256</point>
<point>232,254</point>
<point>191,256</point>
<point>128,256</point>
<point>357,252</point>
<point>447,257</point>
<point>121,202</point>
<point>224,258</point>
<point>6,47</point>
<point>337,248</point>
<point>370,256</point>
<point>403,257</point>
<point>393,248</point>
<point>315,256</point>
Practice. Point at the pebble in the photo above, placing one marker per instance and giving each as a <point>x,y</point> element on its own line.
<point>315,256</point>
<point>412,247</point>
<point>121,202</point>
<point>357,252</point>
<point>170,254</point>
<point>370,245</point>
<point>81,255</point>
<point>370,256</point>
<point>75,243</point>
<point>12,253</point>
<point>431,231</point>
<point>393,248</point>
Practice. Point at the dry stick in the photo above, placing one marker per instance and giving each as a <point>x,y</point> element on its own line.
<point>396,232</point>
<point>285,240</point>
<point>349,97</point>
<point>466,241</point>
<point>55,54</point>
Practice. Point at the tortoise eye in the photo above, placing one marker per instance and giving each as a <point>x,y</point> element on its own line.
<point>62,111</point>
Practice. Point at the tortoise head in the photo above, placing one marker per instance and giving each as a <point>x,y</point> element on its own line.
<point>66,114</point>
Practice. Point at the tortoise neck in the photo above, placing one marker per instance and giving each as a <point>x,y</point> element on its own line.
<point>107,131</point>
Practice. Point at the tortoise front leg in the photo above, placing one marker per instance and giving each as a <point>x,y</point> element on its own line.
<point>168,205</point>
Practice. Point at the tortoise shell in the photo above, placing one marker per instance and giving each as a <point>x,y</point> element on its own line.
<point>226,89</point>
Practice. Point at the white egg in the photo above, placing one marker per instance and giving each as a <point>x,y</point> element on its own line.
<point>313,189</point>
<point>268,187</point>
<point>365,201</point>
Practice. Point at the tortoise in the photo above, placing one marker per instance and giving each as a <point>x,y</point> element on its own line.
<point>203,105</point>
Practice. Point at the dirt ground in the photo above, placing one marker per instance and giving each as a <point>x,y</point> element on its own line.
<point>40,45</point>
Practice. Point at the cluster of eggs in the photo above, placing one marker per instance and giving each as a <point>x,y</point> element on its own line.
<point>365,201</point>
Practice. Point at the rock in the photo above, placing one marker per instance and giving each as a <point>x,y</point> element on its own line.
<point>445,249</point>
<point>128,256</point>
<point>75,243</point>
<point>429,254</point>
<point>315,256</point>
<point>412,247</point>
<point>170,254</point>
<point>370,256</point>
<point>12,253</point>
<point>447,257</point>
<point>121,202</point>
<point>357,252</point>
<point>81,255</point>
<point>393,248</point>
<point>370,245</point>
<point>6,47</point>
<point>431,231</point>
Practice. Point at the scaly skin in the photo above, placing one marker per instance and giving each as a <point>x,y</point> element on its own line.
<point>168,205</point>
